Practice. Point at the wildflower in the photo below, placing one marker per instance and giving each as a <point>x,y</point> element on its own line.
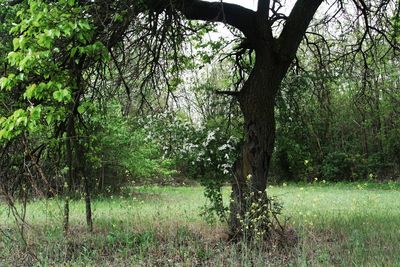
<point>248,178</point>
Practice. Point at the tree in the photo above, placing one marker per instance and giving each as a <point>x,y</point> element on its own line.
<point>155,30</point>
<point>53,46</point>
<point>273,58</point>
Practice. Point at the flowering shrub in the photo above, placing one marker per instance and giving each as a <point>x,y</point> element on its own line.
<point>201,152</point>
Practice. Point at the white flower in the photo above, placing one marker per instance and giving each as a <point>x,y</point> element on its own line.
<point>223,147</point>
<point>210,137</point>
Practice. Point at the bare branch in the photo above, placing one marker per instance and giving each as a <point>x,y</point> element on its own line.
<point>229,93</point>
<point>237,16</point>
<point>295,28</point>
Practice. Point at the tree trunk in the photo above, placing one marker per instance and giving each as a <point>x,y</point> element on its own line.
<point>257,102</point>
<point>88,205</point>
<point>69,181</point>
<point>81,169</point>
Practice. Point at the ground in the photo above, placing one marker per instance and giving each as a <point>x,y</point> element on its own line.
<point>353,224</point>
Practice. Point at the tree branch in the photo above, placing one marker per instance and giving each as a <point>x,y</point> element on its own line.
<point>228,93</point>
<point>263,8</point>
<point>295,28</point>
<point>237,16</point>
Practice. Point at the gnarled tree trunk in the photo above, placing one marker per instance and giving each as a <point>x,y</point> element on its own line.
<point>257,102</point>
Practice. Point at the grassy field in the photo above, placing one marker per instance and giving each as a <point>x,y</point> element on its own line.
<point>336,224</point>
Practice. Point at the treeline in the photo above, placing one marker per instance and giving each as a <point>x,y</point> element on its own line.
<point>82,114</point>
<point>339,120</point>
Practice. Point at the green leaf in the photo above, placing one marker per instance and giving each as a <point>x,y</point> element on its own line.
<point>62,95</point>
<point>73,52</point>
<point>45,40</point>
<point>16,43</point>
<point>30,91</point>
<point>57,95</point>
<point>3,134</point>
<point>57,33</point>
<point>49,118</point>
<point>81,109</point>
<point>22,120</point>
<point>3,82</point>
<point>67,30</point>
<point>36,113</point>
<point>14,58</point>
<point>84,25</point>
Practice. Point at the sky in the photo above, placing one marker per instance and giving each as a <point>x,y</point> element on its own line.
<point>287,6</point>
<point>251,4</point>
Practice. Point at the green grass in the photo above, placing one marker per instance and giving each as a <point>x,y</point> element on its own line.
<point>336,224</point>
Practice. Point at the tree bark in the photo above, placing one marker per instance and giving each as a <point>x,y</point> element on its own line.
<point>88,205</point>
<point>70,179</point>
<point>257,102</point>
<point>82,171</point>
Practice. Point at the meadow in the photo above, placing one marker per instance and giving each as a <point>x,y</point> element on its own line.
<point>350,224</point>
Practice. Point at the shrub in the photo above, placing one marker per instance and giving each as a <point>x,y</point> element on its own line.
<point>337,166</point>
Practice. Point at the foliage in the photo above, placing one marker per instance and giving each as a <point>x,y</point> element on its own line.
<point>123,152</point>
<point>74,73</point>
<point>51,42</point>
<point>331,125</point>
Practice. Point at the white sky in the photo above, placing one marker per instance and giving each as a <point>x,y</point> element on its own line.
<point>287,5</point>
<point>251,4</point>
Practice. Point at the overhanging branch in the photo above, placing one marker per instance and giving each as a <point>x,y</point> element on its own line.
<point>234,15</point>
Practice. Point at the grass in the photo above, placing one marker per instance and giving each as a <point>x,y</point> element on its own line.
<point>336,224</point>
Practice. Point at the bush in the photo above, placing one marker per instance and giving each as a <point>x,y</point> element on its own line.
<point>340,166</point>
<point>337,166</point>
